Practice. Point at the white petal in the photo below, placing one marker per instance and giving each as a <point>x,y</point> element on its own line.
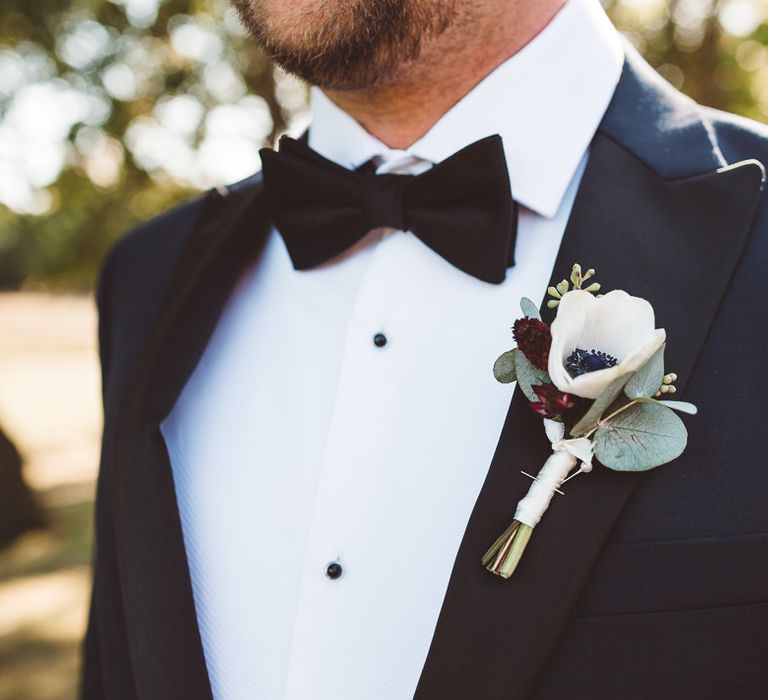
<point>638,357</point>
<point>591,384</point>
<point>617,323</point>
<point>568,325</point>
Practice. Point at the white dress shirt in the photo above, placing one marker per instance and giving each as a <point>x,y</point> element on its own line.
<point>298,441</point>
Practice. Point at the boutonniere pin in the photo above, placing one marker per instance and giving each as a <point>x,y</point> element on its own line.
<point>596,375</point>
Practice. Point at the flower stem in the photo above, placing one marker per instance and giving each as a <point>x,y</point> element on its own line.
<point>503,557</point>
<point>505,540</point>
<point>605,420</point>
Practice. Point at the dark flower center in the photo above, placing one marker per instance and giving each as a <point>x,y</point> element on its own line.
<point>582,361</point>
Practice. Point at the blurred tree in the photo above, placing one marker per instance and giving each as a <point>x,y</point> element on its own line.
<point>701,47</point>
<point>112,110</point>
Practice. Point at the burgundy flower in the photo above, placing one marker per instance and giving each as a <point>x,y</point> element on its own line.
<point>533,338</point>
<point>552,402</point>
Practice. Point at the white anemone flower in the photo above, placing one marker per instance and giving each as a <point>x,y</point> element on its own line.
<point>597,340</point>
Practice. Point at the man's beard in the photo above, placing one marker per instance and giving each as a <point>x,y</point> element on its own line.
<point>345,44</point>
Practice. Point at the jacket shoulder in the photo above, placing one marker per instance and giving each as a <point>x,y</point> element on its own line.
<point>135,275</point>
<point>149,251</point>
<point>739,138</point>
<point>139,265</point>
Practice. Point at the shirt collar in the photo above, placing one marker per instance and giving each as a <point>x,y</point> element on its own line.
<point>546,102</point>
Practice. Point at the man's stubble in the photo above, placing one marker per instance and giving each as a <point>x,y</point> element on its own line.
<point>348,44</point>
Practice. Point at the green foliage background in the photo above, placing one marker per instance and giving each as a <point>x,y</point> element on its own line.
<point>78,45</point>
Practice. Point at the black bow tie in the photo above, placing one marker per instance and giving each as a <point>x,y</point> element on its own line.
<point>461,208</point>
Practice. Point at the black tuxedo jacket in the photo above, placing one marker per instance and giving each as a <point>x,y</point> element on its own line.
<point>634,586</point>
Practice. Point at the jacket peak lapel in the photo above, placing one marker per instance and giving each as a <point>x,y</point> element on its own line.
<point>673,242</point>
<point>164,640</point>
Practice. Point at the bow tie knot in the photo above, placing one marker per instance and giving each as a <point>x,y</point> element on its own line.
<point>384,200</point>
<point>461,208</point>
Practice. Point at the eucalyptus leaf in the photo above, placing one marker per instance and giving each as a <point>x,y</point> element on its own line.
<point>647,379</point>
<point>504,367</point>
<point>528,375</point>
<point>682,406</point>
<point>530,309</point>
<point>600,406</point>
<point>642,437</point>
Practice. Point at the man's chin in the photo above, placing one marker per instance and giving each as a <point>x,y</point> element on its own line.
<point>367,73</point>
<point>344,44</point>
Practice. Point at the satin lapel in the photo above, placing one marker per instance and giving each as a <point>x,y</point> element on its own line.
<point>675,243</point>
<point>164,640</point>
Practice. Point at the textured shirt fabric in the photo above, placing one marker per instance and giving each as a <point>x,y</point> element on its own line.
<point>298,441</point>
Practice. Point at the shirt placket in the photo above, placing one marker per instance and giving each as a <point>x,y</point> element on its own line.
<point>365,395</point>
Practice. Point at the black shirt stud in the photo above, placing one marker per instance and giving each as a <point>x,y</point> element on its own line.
<point>333,570</point>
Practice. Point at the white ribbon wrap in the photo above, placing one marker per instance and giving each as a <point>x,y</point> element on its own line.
<point>565,455</point>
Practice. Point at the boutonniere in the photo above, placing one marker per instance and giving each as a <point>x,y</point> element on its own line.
<point>596,375</point>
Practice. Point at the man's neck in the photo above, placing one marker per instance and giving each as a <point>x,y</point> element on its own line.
<point>400,112</point>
